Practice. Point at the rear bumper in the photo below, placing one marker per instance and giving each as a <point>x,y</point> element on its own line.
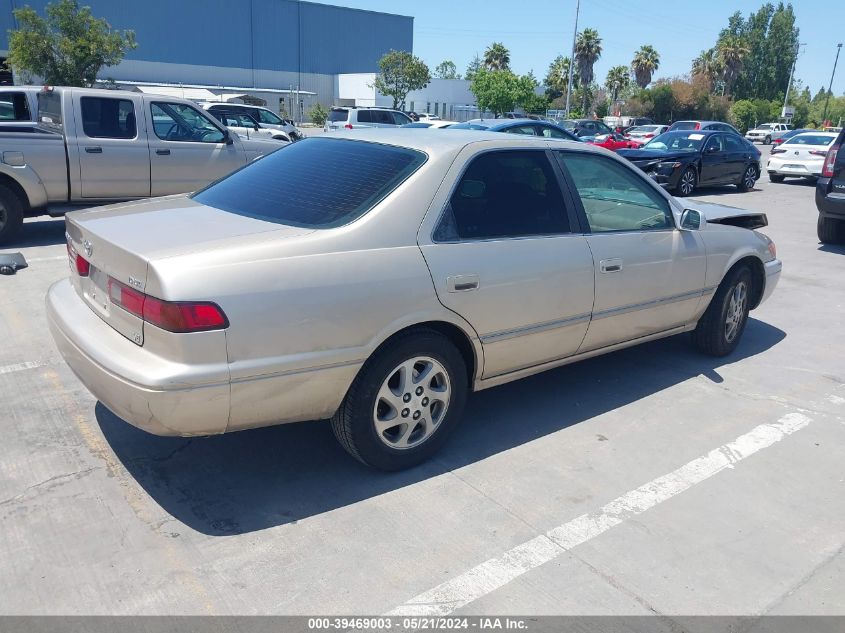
<point>782,166</point>
<point>829,204</point>
<point>164,403</point>
<point>773,270</point>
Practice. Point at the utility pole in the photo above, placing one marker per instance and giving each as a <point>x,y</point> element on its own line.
<point>798,46</point>
<point>572,57</point>
<point>830,85</point>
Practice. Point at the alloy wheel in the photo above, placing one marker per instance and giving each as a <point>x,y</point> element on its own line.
<point>687,182</point>
<point>412,402</point>
<point>749,178</point>
<point>736,311</point>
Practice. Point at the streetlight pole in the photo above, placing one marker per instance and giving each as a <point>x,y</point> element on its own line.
<point>572,57</point>
<point>830,85</point>
<point>791,73</point>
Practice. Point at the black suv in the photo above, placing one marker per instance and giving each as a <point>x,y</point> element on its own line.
<point>830,194</point>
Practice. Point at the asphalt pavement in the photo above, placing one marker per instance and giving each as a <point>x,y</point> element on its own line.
<point>649,481</point>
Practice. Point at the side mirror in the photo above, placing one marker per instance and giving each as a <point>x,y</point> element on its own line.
<point>690,220</point>
<point>227,137</point>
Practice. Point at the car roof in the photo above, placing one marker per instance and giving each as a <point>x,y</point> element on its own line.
<point>495,123</point>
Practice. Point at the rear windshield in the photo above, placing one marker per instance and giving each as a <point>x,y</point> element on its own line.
<point>338,115</point>
<point>810,139</point>
<point>684,125</point>
<point>314,183</point>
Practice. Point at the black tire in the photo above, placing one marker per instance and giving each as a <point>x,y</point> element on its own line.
<point>711,334</point>
<point>767,140</point>
<point>11,214</point>
<point>687,182</point>
<point>353,423</point>
<point>830,230</point>
<point>776,178</point>
<point>748,178</point>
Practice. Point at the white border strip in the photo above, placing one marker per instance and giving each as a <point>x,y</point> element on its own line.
<point>497,572</point>
<point>8,369</point>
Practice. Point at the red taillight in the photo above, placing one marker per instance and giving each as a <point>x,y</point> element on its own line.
<point>648,135</point>
<point>173,316</point>
<point>348,126</point>
<point>830,161</point>
<point>698,126</point>
<point>818,152</point>
<point>83,267</point>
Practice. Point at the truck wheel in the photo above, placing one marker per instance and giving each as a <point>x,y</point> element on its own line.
<point>11,214</point>
<point>767,140</point>
<point>830,230</point>
<point>720,328</point>
<point>404,402</point>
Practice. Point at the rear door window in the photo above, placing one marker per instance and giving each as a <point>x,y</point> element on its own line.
<point>365,116</point>
<point>108,118</point>
<point>338,115</point>
<point>289,186</point>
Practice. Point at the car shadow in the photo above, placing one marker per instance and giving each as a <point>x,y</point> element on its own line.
<point>832,248</point>
<point>41,232</point>
<point>257,479</point>
<point>797,182</point>
<point>721,190</point>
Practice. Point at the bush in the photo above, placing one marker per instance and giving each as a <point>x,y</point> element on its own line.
<point>743,115</point>
<point>318,115</point>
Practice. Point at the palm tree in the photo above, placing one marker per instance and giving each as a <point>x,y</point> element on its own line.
<point>497,57</point>
<point>587,53</point>
<point>732,52</point>
<point>708,65</point>
<point>645,63</point>
<point>557,77</point>
<point>618,78</point>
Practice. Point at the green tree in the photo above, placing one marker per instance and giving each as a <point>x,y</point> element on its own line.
<point>645,63</point>
<point>618,79</point>
<point>400,74</point>
<point>498,91</point>
<point>557,77</point>
<point>68,47</point>
<point>743,115</point>
<point>497,57</point>
<point>732,51</point>
<point>446,70</point>
<point>587,53</point>
<point>473,67</point>
<point>535,104</point>
<point>709,66</point>
<point>318,115</point>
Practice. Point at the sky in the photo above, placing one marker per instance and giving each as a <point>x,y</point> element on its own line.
<point>535,31</point>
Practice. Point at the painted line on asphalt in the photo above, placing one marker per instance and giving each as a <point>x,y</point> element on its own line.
<point>46,259</point>
<point>8,369</point>
<point>497,572</point>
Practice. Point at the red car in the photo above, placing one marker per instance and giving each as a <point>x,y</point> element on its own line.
<point>614,142</point>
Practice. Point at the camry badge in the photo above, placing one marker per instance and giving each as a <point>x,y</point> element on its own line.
<point>89,248</point>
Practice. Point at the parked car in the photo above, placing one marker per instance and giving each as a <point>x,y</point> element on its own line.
<point>347,118</point>
<point>529,127</point>
<point>788,135</point>
<point>720,126</point>
<point>248,127</point>
<point>382,296</point>
<point>613,142</point>
<point>830,194</point>
<point>767,132</point>
<point>644,133</point>
<point>803,156</point>
<point>683,160</point>
<point>96,146</point>
<point>438,124</point>
<point>636,122</point>
<point>425,116</point>
<point>412,115</point>
<point>585,127</point>
<point>265,117</point>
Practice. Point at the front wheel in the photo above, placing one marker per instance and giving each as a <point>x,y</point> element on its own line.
<point>404,402</point>
<point>749,177</point>
<point>687,182</point>
<point>767,140</point>
<point>719,330</point>
<point>830,230</point>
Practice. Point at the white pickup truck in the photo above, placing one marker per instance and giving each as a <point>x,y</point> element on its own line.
<point>90,146</point>
<point>767,132</point>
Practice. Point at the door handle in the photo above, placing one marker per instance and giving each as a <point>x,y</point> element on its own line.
<point>94,150</point>
<point>462,283</point>
<point>163,152</point>
<point>610,265</point>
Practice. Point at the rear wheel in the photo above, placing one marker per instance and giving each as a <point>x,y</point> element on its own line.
<point>404,402</point>
<point>11,214</point>
<point>830,230</point>
<point>749,177</point>
<point>719,330</point>
<point>775,177</point>
<point>687,182</point>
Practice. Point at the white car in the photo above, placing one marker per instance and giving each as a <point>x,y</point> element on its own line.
<point>265,117</point>
<point>767,132</point>
<point>425,116</point>
<point>431,123</point>
<point>801,156</point>
<point>644,133</point>
<point>247,127</point>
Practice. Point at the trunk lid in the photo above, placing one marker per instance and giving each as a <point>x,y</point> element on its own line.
<point>119,242</point>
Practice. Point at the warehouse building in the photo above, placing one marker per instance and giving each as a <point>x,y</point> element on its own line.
<point>285,52</point>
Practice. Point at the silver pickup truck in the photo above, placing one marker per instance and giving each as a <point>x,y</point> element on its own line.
<point>90,146</point>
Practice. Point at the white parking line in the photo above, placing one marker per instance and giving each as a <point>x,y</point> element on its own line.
<point>497,572</point>
<point>8,369</point>
<point>46,259</point>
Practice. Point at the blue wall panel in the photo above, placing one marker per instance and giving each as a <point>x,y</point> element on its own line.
<point>283,35</point>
